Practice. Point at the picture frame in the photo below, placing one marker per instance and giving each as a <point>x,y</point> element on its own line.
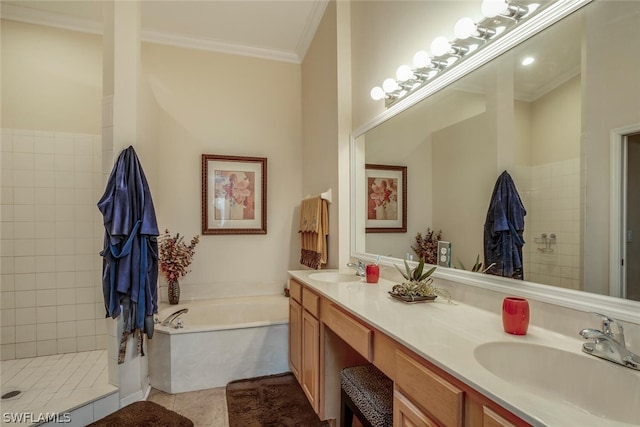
<point>386,199</point>
<point>234,195</point>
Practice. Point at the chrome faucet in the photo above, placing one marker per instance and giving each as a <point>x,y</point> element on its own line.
<point>360,267</point>
<point>609,344</point>
<point>173,316</point>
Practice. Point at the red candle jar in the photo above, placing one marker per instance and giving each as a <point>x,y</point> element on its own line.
<point>515,315</point>
<point>373,273</point>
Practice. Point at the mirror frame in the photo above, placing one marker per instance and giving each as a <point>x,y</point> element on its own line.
<point>621,309</point>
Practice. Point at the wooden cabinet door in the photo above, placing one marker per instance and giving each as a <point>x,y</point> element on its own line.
<point>310,372</point>
<point>406,414</point>
<point>491,419</point>
<point>295,337</point>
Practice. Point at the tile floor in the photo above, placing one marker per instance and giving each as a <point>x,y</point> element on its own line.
<point>206,408</point>
<point>56,383</point>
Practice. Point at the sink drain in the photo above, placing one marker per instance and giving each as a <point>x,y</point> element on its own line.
<point>11,394</point>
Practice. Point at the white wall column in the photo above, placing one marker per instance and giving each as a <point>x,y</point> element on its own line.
<point>121,64</point>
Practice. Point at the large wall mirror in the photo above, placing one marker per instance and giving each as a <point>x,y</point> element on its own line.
<point>562,127</point>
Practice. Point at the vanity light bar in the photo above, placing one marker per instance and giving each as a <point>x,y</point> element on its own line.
<point>470,37</point>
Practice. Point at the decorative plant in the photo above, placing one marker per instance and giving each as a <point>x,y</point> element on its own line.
<point>175,256</point>
<point>427,247</point>
<point>478,267</point>
<point>418,283</point>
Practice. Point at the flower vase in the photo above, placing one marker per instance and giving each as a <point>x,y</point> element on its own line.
<point>174,292</point>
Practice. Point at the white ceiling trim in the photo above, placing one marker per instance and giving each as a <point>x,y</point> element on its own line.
<point>39,17</point>
<point>14,12</point>
<point>217,46</point>
<point>310,28</point>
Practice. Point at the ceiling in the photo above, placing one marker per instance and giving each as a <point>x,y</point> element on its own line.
<point>278,30</point>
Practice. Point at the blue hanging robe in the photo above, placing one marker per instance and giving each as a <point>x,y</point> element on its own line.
<point>503,230</point>
<point>130,254</point>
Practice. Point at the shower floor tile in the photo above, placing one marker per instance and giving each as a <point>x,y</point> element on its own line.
<point>54,384</point>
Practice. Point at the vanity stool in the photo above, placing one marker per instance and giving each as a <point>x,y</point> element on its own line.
<point>366,393</point>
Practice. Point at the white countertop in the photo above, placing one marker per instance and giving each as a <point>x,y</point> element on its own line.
<point>447,334</point>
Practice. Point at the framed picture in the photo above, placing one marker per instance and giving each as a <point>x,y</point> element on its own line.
<point>386,199</point>
<point>234,195</point>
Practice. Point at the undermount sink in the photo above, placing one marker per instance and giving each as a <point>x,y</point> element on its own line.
<point>596,386</point>
<point>334,277</point>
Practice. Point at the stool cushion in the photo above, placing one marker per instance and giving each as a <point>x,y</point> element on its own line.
<point>371,392</point>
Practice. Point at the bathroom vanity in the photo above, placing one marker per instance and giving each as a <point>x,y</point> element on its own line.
<point>451,364</point>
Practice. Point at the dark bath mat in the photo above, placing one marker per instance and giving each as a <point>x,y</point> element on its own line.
<point>271,401</point>
<point>143,414</point>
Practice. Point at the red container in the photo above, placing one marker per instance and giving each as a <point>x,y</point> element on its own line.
<point>515,315</point>
<point>373,273</point>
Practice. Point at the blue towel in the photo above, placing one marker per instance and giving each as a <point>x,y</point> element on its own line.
<point>130,254</point>
<point>503,230</point>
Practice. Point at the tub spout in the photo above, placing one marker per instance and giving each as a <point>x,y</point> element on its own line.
<point>173,316</point>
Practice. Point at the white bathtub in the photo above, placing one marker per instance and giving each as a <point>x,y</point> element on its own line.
<point>221,340</point>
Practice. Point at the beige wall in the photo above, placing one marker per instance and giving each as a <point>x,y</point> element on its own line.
<point>555,124</point>
<point>610,100</point>
<point>320,121</point>
<point>51,79</point>
<point>230,105</point>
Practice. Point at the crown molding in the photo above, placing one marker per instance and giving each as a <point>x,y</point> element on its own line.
<point>28,15</point>
<point>217,46</point>
<point>319,6</point>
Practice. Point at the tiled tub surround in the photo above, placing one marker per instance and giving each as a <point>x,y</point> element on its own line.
<point>50,238</point>
<point>555,208</point>
<point>446,335</point>
<point>74,383</point>
<point>222,340</point>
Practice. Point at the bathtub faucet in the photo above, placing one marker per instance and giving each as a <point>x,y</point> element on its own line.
<point>173,316</point>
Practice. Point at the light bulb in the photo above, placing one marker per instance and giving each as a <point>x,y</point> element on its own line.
<point>440,46</point>
<point>421,59</point>
<point>390,85</point>
<point>404,73</point>
<point>377,93</point>
<point>492,8</point>
<point>464,28</point>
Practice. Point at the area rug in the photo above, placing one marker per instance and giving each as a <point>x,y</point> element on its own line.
<point>271,401</point>
<point>143,414</point>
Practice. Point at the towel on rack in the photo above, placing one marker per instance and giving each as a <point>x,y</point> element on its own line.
<point>314,229</point>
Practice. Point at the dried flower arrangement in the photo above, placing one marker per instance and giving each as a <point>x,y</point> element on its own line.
<point>427,247</point>
<point>175,256</point>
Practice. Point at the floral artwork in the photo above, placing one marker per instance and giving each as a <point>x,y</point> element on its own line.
<point>386,198</point>
<point>234,195</point>
<point>383,198</point>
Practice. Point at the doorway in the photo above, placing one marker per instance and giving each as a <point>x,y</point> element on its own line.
<point>631,215</point>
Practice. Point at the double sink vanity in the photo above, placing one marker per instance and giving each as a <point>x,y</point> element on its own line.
<point>451,363</point>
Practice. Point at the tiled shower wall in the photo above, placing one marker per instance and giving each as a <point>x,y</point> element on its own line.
<point>554,207</point>
<point>51,235</point>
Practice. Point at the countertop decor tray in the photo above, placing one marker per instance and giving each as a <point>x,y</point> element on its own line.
<point>413,300</point>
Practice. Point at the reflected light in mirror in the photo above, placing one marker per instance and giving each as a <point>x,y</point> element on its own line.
<point>528,61</point>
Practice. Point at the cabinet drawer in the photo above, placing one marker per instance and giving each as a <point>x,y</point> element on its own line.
<point>441,399</point>
<point>295,290</point>
<point>311,302</point>
<point>350,330</point>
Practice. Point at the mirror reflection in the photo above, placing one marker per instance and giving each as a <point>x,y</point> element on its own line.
<point>545,112</point>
